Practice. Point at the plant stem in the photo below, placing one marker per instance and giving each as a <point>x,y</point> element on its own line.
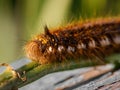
<point>34,71</point>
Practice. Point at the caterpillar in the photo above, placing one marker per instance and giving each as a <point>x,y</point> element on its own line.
<point>90,38</point>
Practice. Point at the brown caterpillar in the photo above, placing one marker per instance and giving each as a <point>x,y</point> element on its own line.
<point>91,38</point>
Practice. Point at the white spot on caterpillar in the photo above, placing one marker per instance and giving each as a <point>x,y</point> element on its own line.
<point>71,49</point>
<point>105,41</point>
<point>50,49</point>
<point>60,48</point>
<point>81,46</point>
<point>92,43</point>
<point>117,39</point>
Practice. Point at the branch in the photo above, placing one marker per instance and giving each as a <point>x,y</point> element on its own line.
<point>33,71</point>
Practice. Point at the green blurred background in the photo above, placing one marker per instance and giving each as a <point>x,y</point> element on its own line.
<point>21,19</point>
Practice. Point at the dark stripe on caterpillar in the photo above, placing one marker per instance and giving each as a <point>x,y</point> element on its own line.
<point>91,38</point>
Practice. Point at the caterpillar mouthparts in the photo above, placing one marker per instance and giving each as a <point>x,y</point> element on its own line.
<point>92,38</point>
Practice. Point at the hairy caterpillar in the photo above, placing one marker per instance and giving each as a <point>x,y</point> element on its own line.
<point>91,38</point>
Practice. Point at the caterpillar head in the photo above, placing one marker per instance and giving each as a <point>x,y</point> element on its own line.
<point>36,48</point>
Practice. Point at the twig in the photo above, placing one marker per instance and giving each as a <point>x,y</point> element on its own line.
<point>34,71</point>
